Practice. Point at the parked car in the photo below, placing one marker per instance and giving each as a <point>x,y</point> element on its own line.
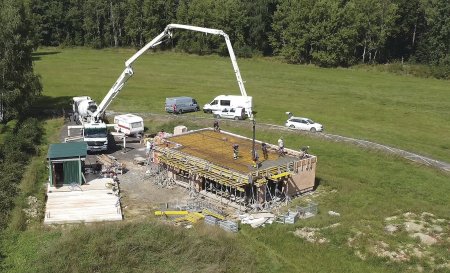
<point>304,124</point>
<point>231,113</point>
<point>179,105</point>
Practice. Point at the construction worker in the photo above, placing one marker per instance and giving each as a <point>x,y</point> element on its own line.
<point>162,134</point>
<point>148,147</point>
<point>75,117</point>
<point>255,158</point>
<point>216,126</point>
<point>264,150</point>
<point>304,152</point>
<point>235,151</point>
<point>280,146</point>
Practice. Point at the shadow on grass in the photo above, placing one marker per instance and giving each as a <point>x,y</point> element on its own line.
<point>51,107</point>
<point>317,182</point>
<point>36,56</point>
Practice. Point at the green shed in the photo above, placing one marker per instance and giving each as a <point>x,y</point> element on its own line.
<point>66,161</point>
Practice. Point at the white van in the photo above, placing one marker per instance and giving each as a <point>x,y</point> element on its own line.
<point>129,124</point>
<point>229,101</point>
<point>231,113</point>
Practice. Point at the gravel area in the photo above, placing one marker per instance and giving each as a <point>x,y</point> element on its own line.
<point>140,196</point>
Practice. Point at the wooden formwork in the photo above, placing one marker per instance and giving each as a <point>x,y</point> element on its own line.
<point>217,147</point>
<point>209,154</point>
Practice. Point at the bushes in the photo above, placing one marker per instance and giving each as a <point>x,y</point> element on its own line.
<point>441,71</point>
<point>19,145</point>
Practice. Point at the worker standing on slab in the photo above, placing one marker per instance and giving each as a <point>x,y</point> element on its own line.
<point>304,152</point>
<point>255,158</point>
<point>235,151</point>
<point>264,151</point>
<point>280,146</point>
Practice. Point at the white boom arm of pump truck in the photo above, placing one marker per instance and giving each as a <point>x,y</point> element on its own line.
<point>167,33</point>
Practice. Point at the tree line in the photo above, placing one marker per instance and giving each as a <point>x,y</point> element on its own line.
<point>19,87</point>
<point>323,32</point>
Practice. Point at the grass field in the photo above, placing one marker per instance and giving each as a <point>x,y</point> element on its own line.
<point>405,112</point>
<point>365,187</point>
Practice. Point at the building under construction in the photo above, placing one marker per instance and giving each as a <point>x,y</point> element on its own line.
<point>203,161</point>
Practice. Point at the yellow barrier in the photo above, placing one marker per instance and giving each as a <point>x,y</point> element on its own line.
<point>192,217</point>
<point>210,213</point>
<point>277,176</point>
<point>171,212</point>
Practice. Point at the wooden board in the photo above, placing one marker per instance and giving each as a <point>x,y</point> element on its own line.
<point>89,203</point>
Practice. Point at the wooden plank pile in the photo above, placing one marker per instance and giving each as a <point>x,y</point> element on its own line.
<point>110,165</point>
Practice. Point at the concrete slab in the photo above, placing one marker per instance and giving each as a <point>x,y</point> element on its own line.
<point>216,147</point>
<point>93,202</point>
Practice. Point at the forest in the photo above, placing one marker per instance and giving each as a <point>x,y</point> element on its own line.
<point>324,32</point>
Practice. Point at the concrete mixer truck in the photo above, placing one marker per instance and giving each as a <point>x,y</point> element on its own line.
<point>90,116</point>
<point>95,133</point>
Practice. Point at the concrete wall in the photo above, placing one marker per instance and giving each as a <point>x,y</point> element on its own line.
<point>305,178</point>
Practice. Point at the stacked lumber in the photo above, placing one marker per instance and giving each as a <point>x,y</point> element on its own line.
<point>110,164</point>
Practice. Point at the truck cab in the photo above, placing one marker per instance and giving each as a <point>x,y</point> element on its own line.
<point>96,136</point>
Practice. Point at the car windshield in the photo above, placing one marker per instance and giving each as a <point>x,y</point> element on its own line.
<point>95,132</point>
<point>310,121</point>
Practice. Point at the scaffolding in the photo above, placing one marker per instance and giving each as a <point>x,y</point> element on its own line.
<point>202,168</point>
<point>214,175</point>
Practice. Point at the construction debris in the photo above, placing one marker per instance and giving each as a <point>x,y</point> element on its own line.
<point>257,219</point>
<point>211,220</point>
<point>223,224</point>
<point>307,211</point>
<point>289,218</point>
<point>333,213</point>
<point>191,217</point>
<point>228,226</point>
<point>110,165</point>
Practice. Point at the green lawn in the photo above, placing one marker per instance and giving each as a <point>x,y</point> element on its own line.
<point>404,112</point>
<point>364,186</point>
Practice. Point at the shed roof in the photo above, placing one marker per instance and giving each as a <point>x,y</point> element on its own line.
<point>67,150</point>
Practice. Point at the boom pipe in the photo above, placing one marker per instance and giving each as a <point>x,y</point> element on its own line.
<point>128,71</point>
<point>126,74</point>
<point>229,47</point>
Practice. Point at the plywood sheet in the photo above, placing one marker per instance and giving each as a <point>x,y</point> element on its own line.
<point>90,203</point>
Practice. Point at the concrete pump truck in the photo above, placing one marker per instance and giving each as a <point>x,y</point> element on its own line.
<point>91,116</point>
